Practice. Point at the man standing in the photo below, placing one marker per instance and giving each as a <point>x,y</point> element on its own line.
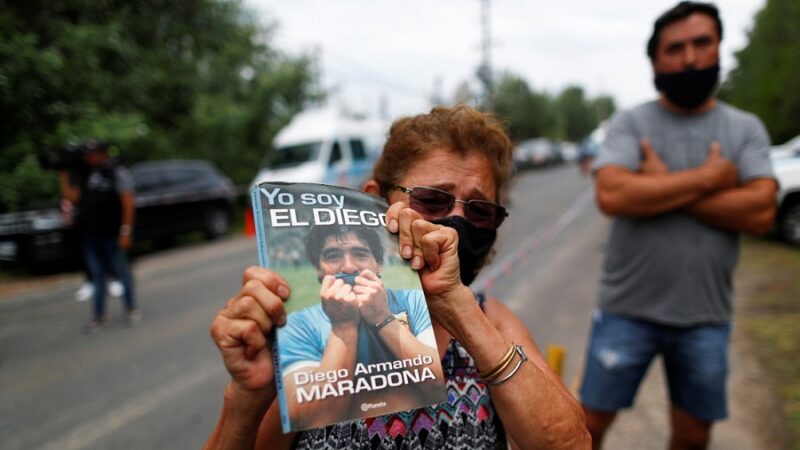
<point>104,195</point>
<point>682,177</point>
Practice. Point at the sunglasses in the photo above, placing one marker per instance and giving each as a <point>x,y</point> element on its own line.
<point>435,204</point>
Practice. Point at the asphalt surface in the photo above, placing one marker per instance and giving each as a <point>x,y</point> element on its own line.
<point>159,385</point>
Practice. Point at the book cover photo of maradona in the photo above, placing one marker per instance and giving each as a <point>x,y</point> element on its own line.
<point>358,341</point>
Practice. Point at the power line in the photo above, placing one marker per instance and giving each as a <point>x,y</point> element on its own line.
<point>367,73</point>
<point>485,69</point>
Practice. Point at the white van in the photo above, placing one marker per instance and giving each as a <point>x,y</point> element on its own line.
<point>321,146</point>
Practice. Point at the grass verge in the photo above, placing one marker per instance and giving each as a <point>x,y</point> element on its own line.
<point>771,319</point>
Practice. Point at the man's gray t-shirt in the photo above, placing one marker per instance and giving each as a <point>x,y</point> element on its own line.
<point>672,268</point>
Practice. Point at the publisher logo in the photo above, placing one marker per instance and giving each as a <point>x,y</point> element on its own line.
<point>367,406</point>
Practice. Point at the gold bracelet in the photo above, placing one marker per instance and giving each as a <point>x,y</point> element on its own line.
<point>522,358</point>
<point>503,362</point>
<point>501,369</point>
<point>498,369</point>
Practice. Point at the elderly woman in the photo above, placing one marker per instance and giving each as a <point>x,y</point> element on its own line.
<point>443,174</point>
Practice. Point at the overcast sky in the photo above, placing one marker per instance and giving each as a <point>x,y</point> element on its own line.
<point>369,49</point>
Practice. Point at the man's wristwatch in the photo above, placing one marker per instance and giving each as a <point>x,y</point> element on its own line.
<point>125,230</point>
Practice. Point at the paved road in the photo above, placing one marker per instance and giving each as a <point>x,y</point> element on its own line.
<point>160,385</point>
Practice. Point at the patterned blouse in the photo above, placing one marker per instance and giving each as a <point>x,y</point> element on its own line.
<point>467,420</point>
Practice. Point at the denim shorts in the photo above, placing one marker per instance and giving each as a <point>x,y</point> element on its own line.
<point>695,362</point>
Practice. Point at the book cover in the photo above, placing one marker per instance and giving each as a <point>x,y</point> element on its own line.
<point>358,341</point>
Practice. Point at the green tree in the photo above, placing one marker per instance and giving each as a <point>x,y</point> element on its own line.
<point>529,113</point>
<point>767,75</point>
<point>161,79</point>
<point>603,107</point>
<point>575,116</point>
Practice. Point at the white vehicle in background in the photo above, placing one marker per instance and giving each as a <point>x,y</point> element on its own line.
<point>786,162</point>
<point>322,146</point>
<point>534,152</point>
<point>569,151</point>
<point>788,149</point>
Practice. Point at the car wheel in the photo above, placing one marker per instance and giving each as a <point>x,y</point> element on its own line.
<point>218,223</point>
<point>789,223</point>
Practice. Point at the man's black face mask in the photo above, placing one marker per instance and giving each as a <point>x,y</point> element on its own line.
<point>689,88</point>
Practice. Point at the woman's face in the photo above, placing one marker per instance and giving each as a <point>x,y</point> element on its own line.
<point>468,178</point>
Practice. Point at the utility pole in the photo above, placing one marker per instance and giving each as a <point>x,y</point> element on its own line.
<point>383,106</point>
<point>485,69</point>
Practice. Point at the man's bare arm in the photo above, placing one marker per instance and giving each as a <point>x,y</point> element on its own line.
<point>749,208</point>
<point>68,190</point>
<point>340,352</point>
<point>128,208</point>
<point>128,202</point>
<point>623,192</point>
<point>340,304</point>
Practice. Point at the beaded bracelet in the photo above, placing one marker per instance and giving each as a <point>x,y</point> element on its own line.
<point>500,367</point>
<point>522,358</point>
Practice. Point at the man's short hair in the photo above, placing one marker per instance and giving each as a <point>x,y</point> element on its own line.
<point>677,13</point>
<point>318,234</point>
<point>96,145</point>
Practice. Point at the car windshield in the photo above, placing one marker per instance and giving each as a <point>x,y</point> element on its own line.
<point>292,155</point>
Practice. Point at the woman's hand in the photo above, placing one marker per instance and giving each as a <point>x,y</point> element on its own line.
<point>433,252</point>
<point>241,329</point>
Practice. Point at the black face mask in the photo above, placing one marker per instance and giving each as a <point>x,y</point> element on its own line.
<point>689,88</point>
<point>473,245</point>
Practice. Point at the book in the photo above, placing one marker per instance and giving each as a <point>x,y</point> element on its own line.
<point>358,340</point>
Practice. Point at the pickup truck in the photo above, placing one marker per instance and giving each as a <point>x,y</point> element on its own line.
<point>786,162</point>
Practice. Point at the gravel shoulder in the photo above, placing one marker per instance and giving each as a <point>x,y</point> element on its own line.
<point>768,312</point>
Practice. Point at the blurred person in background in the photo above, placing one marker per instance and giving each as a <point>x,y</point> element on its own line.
<point>86,290</point>
<point>586,155</point>
<point>69,213</point>
<point>682,177</point>
<point>103,192</point>
<point>443,174</point>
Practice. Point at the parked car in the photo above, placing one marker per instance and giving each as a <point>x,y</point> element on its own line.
<point>786,163</point>
<point>569,151</point>
<point>173,197</point>
<point>536,152</point>
<point>37,236</point>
